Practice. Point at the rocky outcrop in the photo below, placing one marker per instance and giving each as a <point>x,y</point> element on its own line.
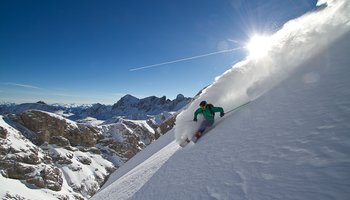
<point>19,159</point>
<point>60,141</point>
<point>53,128</point>
<point>127,137</point>
<point>3,133</point>
<point>49,177</point>
<point>47,165</point>
<point>167,125</point>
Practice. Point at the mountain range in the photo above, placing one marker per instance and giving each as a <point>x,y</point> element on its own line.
<point>68,152</point>
<point>129,107</point>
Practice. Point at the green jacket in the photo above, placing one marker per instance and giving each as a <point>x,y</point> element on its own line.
<point>208,113</point>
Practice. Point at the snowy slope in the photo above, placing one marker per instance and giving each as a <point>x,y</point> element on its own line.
<point>291,142</point>
<point>290,48</point>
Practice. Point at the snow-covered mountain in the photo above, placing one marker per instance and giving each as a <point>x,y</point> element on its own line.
<point>18,108</point>
<point>128,107</point>
<point>290,142</point>
<point>131,107</point>
<point>45,155</point>
<point>63,158</point>
<point>140,108</point>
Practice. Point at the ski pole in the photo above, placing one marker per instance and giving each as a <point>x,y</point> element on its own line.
<point>237,107</point>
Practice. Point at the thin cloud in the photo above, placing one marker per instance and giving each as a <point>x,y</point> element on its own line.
<point>21,85</point>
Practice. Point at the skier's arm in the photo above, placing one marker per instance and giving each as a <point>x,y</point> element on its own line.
<point>218,109</point>
<point>199,110</point>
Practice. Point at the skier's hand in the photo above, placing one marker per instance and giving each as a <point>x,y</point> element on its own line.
<point>195,119</point>
<point>222,114</point>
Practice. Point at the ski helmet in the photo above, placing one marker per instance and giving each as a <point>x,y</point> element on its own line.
<point>203,103</point>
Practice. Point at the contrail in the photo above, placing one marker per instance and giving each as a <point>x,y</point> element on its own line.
<point>21,85</point>
<point>184,59</point>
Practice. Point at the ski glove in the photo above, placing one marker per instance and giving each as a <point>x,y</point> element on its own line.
<point>222,114</point>
<point>195,119</point>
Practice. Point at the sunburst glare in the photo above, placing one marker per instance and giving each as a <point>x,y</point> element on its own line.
<point>259,46</point>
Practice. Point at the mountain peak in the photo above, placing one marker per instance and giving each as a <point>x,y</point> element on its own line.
<point>127,100</point>
<point>180,97</point>
<point>41,102</point>
<point>130,97</point>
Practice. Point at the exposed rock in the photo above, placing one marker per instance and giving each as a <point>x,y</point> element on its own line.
<point>52,178</point>
<point>20,171</point>
<point>126,138</point>
<point>5,164</point>
<point>70,148</point>
<point>3,151</point>
<point>3,133</point>
<point>44,125</point>
<point>37,181</point>
<point>49,177</point>
<point>51,127</point>
<point>94,150</point>
<point>84,160</point>
<point>13,197</point>
<point>167,125</point>
<point>59,141</point>
<point>61,160</point>
<point>28,158</point>
<point>47,160</point>
<point>75,168</point>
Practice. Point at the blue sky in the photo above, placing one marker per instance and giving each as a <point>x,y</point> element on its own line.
<point>63,51</point>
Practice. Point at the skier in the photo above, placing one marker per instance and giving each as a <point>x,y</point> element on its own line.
<point>208,111</point>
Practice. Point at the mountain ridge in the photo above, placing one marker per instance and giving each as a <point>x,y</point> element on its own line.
<point>129,107</point>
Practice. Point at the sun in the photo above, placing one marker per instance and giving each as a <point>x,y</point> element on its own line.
<point>258,46</point>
